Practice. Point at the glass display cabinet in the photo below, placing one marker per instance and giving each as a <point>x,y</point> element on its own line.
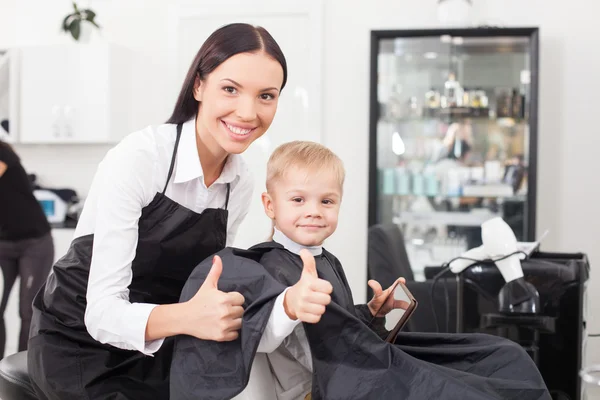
<point>453,136</point>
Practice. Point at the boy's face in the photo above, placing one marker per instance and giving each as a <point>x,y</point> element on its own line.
<point>305,206</point>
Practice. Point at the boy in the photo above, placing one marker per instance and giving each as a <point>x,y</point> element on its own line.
<point>304,192</point>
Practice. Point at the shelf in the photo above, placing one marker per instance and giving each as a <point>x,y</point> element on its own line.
<point>473,218</point>
<point>511,198</point>
<point>503,121</point>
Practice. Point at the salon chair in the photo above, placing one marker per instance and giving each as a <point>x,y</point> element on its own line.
<point>387,257</point>
<point>14,378</point>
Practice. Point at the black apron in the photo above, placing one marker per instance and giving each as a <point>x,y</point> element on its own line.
<point>350,361</point>
<point>65,362</point>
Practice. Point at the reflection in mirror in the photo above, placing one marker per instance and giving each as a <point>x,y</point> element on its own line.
<point>394,316</point>
<point>398,307</point>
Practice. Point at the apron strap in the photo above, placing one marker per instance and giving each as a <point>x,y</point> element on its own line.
<point>227,195</point>
<point>173,158</point>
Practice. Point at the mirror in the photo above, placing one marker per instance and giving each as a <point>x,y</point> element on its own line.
<point>400,315</point>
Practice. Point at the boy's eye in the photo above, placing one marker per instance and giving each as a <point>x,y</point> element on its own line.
<point>327,201</point>
<point>297,199</point>
<point>230,89</point>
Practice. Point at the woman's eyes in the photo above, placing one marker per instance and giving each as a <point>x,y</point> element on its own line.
<point>267,96</point>
<point>263,96</point>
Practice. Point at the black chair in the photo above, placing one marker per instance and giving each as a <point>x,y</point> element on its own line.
<point>387,260</point>
<point>14,378</point>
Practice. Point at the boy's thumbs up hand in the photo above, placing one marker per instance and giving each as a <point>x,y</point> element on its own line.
<point>306,300</point>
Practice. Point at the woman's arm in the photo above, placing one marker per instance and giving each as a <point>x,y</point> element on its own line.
<point>209,315</point>
<point>122,186</point>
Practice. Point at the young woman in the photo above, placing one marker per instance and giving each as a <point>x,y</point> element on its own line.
<point>162,200</point>
<point>26,246</point>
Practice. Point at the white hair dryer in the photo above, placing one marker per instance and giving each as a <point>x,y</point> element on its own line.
<point>499,242</point>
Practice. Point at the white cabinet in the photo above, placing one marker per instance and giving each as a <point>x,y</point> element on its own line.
<point>9,92</point>
<point>75,93</point>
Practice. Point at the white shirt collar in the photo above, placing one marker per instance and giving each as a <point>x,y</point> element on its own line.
<point>188,165</point>
<point>292,246</point>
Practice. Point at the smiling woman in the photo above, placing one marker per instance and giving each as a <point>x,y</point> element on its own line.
<point>163,200</point>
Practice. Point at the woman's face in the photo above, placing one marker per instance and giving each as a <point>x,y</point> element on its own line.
<point>238,101</point>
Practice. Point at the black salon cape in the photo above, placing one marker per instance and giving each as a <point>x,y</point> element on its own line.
<point>350,361</point>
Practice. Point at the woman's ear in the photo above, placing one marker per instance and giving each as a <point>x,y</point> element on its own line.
<point>198,88</point>
<point>268,205</point>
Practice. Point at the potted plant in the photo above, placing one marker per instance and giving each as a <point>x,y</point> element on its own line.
<point>80,23</point>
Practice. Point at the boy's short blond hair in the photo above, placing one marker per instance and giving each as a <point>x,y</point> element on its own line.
<point>311,156</point>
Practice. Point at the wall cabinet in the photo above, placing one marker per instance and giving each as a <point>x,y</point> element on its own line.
<point>74,93</point>
<point>9,94</point>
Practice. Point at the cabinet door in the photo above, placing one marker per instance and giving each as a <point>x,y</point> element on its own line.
<point>9,96</point>
<point>65,94</point>
<point>85,108</point>
<point>44,83</point>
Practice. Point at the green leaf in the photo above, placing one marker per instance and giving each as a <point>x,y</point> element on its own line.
<point>94,23</point>
<point>76,29</point>
<point>90,15</point>
<point>65,24</point>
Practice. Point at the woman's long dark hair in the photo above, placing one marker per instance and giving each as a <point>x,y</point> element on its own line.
<point>4,144</point>
<point>225,42</point>
<point>8,147</point>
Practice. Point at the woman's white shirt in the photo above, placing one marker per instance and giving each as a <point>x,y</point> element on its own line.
<point>126,181</point>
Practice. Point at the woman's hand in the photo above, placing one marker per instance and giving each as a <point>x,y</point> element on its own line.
<point>212,314</point>
<point>380,296</point>
<point>306,300</point>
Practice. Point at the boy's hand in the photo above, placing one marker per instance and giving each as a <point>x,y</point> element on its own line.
<point>380,296</point>
<point>306,300</point>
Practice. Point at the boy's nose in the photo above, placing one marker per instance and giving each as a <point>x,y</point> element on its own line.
<point>313,212</point>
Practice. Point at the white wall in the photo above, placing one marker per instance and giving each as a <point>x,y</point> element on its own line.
<point>568,141</point>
